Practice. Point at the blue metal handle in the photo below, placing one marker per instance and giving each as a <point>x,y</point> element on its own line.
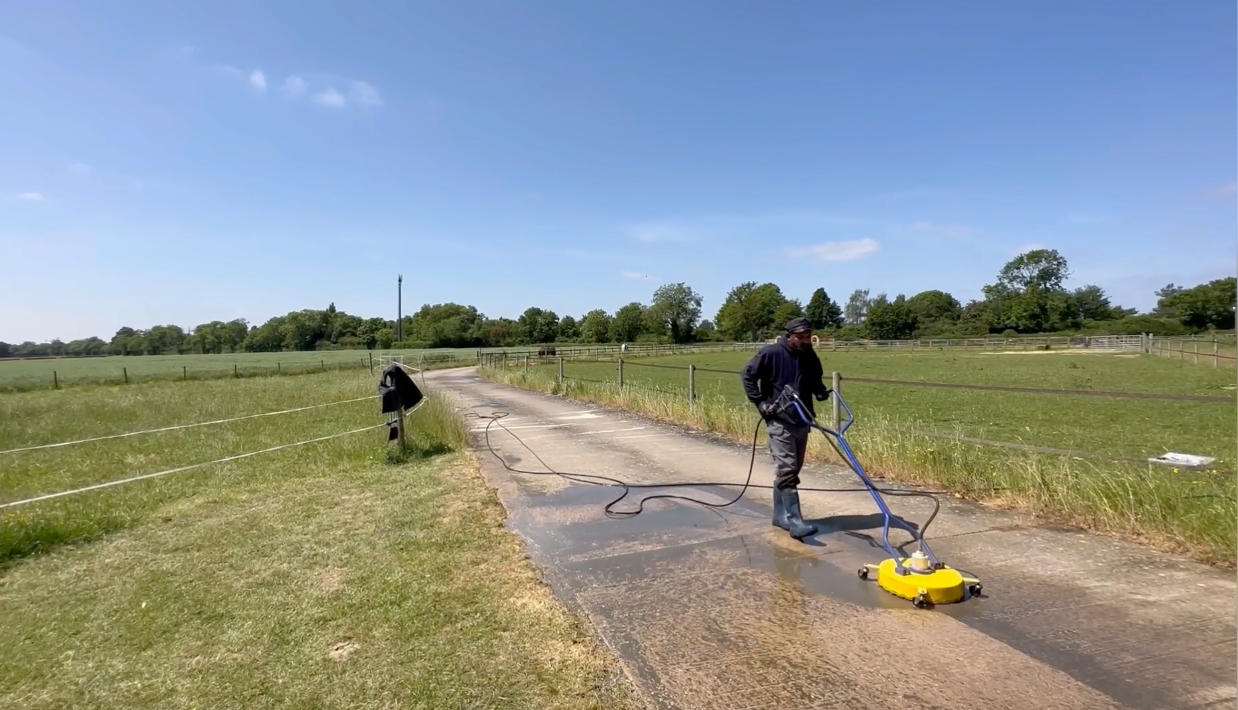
<point>854,463</point>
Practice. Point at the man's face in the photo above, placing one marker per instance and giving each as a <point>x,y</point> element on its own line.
<point>800,341</point>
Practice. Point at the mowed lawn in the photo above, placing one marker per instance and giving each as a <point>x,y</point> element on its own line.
<point>329,575</point>
<point>1109,426</point>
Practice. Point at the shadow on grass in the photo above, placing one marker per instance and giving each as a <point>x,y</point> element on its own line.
<point>415,451</point>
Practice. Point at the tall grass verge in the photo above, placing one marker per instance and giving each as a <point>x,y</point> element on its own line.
<point>1185,513</point>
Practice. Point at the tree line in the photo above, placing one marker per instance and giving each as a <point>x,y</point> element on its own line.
<point>1028,296</point>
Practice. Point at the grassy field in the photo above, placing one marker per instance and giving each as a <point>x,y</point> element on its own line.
<point>329,575</point>
<point>1190,512</point>
<point>26,375</point>
<point>1131,428</point>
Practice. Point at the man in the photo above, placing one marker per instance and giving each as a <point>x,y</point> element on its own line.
<point>789,361</point>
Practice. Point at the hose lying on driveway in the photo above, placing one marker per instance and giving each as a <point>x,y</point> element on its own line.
<point>593,479</point>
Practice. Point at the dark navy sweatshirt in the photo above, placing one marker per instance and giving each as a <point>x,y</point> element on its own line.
<point>776,366</point>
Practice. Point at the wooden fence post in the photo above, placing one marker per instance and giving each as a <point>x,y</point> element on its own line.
<point>125,372</point>
<point>691,383</point>
<point>371,362</point>
<point>621,372</point>
<point>55,380</point>
<point>399,425</point>
<point>324,365</point>
<point>185,372</point>
<point>1214,353</point>
<point>1195,346</point>
<point>235,374</point>
<point>836,382</point>
<point>560,368</point>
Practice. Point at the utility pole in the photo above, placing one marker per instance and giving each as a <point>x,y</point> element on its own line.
<point>399,309</point>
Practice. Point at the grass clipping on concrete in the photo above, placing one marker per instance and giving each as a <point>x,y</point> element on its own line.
<point>314,578</point>
<point>1193,515</point>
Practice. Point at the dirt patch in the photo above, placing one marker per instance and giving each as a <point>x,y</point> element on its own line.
<point>331,580</point>
<point>340,651</point>
<point>1076,351</point>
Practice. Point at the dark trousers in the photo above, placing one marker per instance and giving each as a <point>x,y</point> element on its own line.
<point>787,444</point>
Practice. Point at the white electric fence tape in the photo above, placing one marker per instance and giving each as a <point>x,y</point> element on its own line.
<point>183,426</point>
<point>96,487</point>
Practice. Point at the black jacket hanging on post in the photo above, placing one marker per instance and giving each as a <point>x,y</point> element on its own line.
<point>397,389</point>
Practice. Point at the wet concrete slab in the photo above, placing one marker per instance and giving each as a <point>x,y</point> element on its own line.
<point>715,608</point>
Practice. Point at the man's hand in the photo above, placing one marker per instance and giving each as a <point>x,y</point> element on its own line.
<point>766,409</point>
<point>823,395</point>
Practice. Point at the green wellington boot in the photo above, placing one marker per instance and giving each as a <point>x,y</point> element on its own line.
<point>780,511</point>
<point>795,520</point>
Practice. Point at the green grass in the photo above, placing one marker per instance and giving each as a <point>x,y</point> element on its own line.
<point>26,375</point>
<point>332,575</point>
<point>1132,428</point>
<point>1188,512</point>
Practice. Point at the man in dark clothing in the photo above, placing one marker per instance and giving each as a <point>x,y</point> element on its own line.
<point>789,361</point>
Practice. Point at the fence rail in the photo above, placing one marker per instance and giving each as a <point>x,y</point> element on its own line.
<point>690,370</point>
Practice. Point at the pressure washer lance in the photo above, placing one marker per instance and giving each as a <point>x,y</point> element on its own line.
<point>921,578</point>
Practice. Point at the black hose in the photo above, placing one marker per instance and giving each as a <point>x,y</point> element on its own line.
<point>597,480</point>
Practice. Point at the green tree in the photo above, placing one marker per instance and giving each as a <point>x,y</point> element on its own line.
<point>1028,296</point>
<point>569,331</point>
<point>1209,305</point>
<point>501,333</point>
<point>385,337</point>
<point>538,327</point>
<point>934,309</point>
<point>676,308</point>
<point>1039,269</point>
<point>822,312</point>
<point>268,337</point>
<point>890,320</point>
<point>1092,303</point>
<point>857,307</point>
<point>785,312</point>
<point>629,323</point>
<point>595,327</point>
<point>1163,309</point>
<point>750,311</point>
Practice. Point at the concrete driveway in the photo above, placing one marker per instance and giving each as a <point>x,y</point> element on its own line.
<point>717,609</point>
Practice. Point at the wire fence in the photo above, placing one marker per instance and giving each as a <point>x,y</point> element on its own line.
<point>686,385</point>
<point>689,371</point>
<point>193,466</point>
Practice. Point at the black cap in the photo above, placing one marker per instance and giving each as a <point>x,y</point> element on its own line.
<point>798,325</point>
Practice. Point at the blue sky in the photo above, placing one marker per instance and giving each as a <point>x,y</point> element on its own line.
<point>177,164</point>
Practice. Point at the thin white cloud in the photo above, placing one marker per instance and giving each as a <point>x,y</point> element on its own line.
<point>916,193</point>
<point>258,81</point>
<point>1228,188</point>
<point>635,275</point>
<point>80,169</point>
<point>1089,219</point>
<point>1025,248</point>
<point>330,98</point>
<point>946,230</point>
<point>228,70</point>
<point>835,251</point>
<point>31,197</point>
<point>365,94</point>
<point>295,86</point>
<point>652,232</point>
